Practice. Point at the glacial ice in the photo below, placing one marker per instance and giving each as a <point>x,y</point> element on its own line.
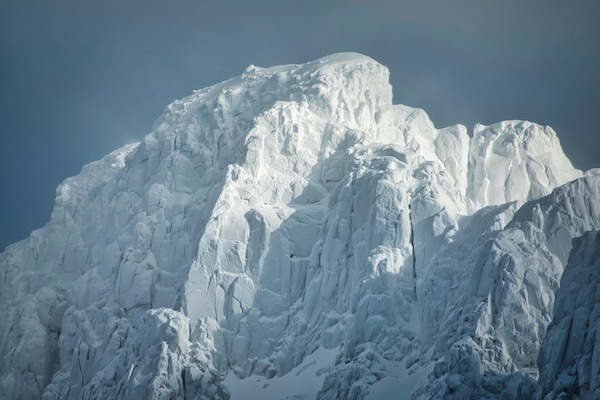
<point>292,229</point>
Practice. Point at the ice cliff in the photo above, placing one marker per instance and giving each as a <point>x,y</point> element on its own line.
<point>291,232</point>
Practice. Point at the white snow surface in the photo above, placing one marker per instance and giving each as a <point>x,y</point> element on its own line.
<point>301,382</point>
<point>290,233</point>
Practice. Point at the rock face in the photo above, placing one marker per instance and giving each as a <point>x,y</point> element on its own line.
<point>285,215</point>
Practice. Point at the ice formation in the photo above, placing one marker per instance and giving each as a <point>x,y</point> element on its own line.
<point>291,232</point>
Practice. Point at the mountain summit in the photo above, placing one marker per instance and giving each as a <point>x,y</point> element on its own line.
<point>291,233</point>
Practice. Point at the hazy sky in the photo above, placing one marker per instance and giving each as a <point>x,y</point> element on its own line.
<point>80,78</point>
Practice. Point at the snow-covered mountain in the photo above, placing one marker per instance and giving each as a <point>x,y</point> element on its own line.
<point>290,233</point>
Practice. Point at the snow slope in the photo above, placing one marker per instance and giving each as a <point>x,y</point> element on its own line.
<point>292,230</point>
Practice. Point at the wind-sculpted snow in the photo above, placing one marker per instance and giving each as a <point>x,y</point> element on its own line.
<point>289,213</point>
<point>515,161</point>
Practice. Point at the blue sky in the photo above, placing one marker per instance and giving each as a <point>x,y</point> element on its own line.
<point>80,78</point>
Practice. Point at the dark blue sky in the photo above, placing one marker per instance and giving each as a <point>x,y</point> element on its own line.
<point>80,78</point>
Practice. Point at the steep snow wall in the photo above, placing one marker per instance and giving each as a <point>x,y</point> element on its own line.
<point>491,313</point>
<point>569,359</point>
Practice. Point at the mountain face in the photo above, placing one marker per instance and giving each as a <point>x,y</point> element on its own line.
<point>570,354</point>
<point>291,232</point>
